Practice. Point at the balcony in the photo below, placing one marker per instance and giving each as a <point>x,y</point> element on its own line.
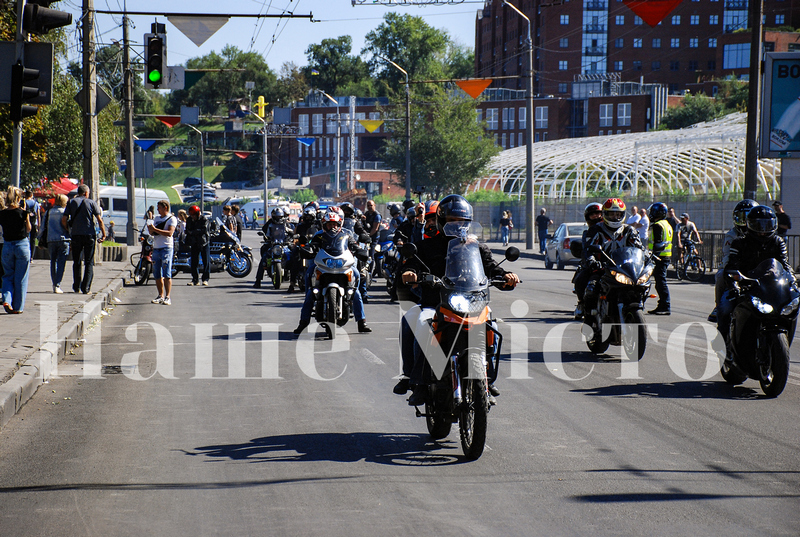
<point>594,51</point>
<point>594,29</point>
<point>594,5</point>
<point>737,5</point>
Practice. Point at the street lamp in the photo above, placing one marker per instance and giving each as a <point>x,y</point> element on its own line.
<point>338,144</point>
<point>202,168</point>
<point>529,135</point>
<point>408,127</point>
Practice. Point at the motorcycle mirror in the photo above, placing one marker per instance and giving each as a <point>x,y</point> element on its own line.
<point>260,233</point>
<point>409,250</point>
<point>512,253</point>
<point>734,275</point>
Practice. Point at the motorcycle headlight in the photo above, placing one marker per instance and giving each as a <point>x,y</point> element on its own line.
<point>277,250</point>
<point>761,306</point>
<point>645,276</point>
<point>458,302</point>
<point>621,278</point>
<point>789,308</point>
<point>334,263</point>
<point>377,248</point>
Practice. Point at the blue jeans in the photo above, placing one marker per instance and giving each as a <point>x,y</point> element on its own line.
<point>59,250</point>
<point>504,232</point>
<point>308,303</point>
<point>16,268</point>
<point>162,263</point>
<point>542,241</point>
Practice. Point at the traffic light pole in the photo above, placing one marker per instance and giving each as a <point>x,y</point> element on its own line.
<point>130,175</point>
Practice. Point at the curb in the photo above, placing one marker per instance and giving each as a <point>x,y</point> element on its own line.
<point>38,366</point>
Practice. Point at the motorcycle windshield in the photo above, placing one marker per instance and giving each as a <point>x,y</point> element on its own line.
<point>338,245</point>
<point>464,270</point>
<point>629,260</point>
<point>277,233</point>
<point>774,282</point>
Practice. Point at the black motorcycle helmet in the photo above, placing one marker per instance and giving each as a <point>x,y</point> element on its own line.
<point>740,213</point>
<point>408,204</point>
<point>453,206</point>
<point>657,212</point>
<point>394,210</point>
<point>277,214</point>
<point>348,209</point>
<point>593,213</point>
<point>761,223</point>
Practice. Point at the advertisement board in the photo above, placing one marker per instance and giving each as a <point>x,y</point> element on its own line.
<point>780,117</point>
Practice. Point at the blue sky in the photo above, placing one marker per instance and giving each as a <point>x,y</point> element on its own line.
<point>278,42</point>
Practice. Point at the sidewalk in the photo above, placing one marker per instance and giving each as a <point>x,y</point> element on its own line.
<point>22,366</point>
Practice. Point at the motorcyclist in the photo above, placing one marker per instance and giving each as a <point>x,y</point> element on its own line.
<point>354,225</point>
<point>592,214</point>
<point>760,242</point>
<point>432,256</point>
<point>612,233</point>
<point>331,230</point>
<point>276,226</point>
<point>659,242</point>
<point>197,238</point>
<point>305,229</point>
<point>397,218</point>
<point>737,231</point>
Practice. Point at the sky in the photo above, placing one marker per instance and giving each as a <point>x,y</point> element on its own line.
<point>278,40</point>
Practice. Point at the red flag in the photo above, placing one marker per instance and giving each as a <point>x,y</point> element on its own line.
<point>242,155</point>
<point>474,87</point>
<point>169,121</point>
<point>652,11</point>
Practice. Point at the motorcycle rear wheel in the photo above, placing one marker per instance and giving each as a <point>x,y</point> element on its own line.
<point>597,345</point>
<point>277,275</point>
<point>473,418</point>
<point>773,377</point>
<point>438,425</point>
<point>634,334</point>
<point>141,272</point>
<point>694,269</point>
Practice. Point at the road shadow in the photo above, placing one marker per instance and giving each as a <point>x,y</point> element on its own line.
<point>675,390</point>
<point>566,357</point>
<point>380,448</point>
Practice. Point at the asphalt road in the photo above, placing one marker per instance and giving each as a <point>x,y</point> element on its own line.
<point>208,443</point>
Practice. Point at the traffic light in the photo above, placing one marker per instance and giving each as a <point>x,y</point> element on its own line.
<point>38,18</point>
<point>24,87</point>
<point>155,60</point>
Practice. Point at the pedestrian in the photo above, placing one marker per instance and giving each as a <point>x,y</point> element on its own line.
<point>505,227</point>
<point>111,235</point>
<point>197,240</point>
<point>16,257</point>
<point>238,222</point>
<point>542,223</point>
<point>162,229</point>
<point>180,229</point>
<point>245,219</point>
<point>227,219</point>
<point>784,222</point>
<point>644,224</point>
<point>58,241</point>
<point>78,219</point>
<point>34,209</point>
<point>633,220</point>
<point>372,224</point>
<point>255,219</point>
<point>660,243</point>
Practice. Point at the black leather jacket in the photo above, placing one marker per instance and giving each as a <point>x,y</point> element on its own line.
<point>747,253</point>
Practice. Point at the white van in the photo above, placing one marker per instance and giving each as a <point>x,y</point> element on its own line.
<point>114,202</point>
<point>259,207</point>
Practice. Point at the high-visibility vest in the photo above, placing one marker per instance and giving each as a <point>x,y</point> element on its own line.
<point>666,236</point>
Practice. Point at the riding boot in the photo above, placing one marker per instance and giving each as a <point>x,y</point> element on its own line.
<point>300,327</point>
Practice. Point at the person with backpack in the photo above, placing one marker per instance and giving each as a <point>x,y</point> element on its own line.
<point>79,216</point>
<point>57,241</point>
<point>33,209</point>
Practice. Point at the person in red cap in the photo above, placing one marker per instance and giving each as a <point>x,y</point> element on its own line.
<point>197,240</point>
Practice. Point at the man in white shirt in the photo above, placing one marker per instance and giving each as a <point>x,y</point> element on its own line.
<point>162,229</point>
<point>644,224</point>
<point>633,219</point>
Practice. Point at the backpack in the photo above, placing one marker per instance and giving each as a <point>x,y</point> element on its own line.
<point>30,208</point>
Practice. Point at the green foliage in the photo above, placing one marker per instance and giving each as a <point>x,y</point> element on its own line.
<point>388,198</point>
<point>337,68</point>
<point>694,109</point>
<point>733,94</point>
<point>292,85</point>
<point>304,196</point>
<point>490,196</point>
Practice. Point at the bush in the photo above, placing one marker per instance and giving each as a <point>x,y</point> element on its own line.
<point>490,196</point>
<point>304,196</point>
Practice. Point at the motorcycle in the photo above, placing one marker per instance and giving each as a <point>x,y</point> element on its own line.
<point>275,255</point>
<point>333,283</point>
<point>465,340</point>
<point>387,262</point>
<point>143,266</point>
<point>762,326</point>
<point>226,253</point>
<point>623,288</point>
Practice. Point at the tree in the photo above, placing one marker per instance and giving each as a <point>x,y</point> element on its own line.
<point>693,109</point>
<point>331,66</point>
<point>292,85</point>
<point>304,196</point>
<point>449,148</point>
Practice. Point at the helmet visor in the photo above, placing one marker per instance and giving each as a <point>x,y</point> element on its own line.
<point>762,226</point>
<point>614,216</point>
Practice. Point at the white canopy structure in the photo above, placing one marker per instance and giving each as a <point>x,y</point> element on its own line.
<point>703,159</point>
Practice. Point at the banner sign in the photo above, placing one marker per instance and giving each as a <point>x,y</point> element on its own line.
<point>780,109</point>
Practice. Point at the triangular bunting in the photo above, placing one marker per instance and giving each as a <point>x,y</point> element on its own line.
<point>652,11</point>
<point>475,86</point>
<point>306,141</point>
<point>371,124</point>
<point>145,144</point>
<point>169,121</point>
<point>198,28</point>
<point>176,165</point>
<point>241,155</point>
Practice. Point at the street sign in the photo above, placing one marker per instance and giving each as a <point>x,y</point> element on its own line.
<point>780,117</point>
<point>102,99</point>
<point>143,164</point>
<point>37,56</point>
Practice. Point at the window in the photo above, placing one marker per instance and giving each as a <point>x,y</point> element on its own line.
<point>624,115</point>
<point>541,117</point>
<point>657,42</point>
<point>535,137</point>
<point>712,65</point>
<point>563,88</point>
<point>601,132</point>
<point>563,42</point>
<point>637,65</point>
<point>510,118</point>
<point>637,43</point>
<point>491,118</point>
<point>779,19</point>
<point>736,56</point>
<point>655,66</point>
<point>119,204</point>
<point>316,123</point>
<point>505,120</point>
<point>564,20</point>
<point>674,66</point>
<point>620,20</point>
<point>302,119</point>
<point>637,20</point>
<point>619,43</point>
<point>479,114</point>
<point>694,20</point>
<point>712,42</point>
<point>675,42</point>
<point>503,141</point>
<point>523,117</point>
<point>520,140</point>
<point>692,65</point>
<point>694,42</point>
<point>606,115</point>
<point>511,141</point>
<point>618,66</point>
<point>713,20</point>
<point>563,65</point>
<point>676,20</point>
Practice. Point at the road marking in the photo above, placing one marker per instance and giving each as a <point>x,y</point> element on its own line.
<point>371,357</point>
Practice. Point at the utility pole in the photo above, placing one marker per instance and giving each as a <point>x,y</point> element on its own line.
<point>91,162</point>
<point>753,102</point>
<point>130,175</point>
<point>351,181</point>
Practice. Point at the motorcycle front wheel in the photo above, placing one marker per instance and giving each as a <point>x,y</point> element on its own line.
<point>473,418</point>
<point>694,269</point>
<point>333,314</point>
<point>277,275</point>
<point>634,334</point>
<point>774,376</point>
<point>239,265</point>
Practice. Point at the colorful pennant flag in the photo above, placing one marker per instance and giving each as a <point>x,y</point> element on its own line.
<point>314,72</point>
<point>652,11</point>
<point>196,27</point>
<point>306,141</point>
<point>176,165</point>
<point>241,155</point>
<point>371,124</point>
<point>474,87</point>
<point>145,144</point>
<point>169,121</point>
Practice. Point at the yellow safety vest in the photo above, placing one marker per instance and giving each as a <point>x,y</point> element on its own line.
<point>666,236</point>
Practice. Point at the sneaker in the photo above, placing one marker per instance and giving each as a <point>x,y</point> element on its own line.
<point>401,388</point>
<point>712,317</point>
<point>193,283</point>
<point>166,301</point>
<point>205,283</point>
<point>158,300</point>
<point>659,311</point>
<point>57,290</point>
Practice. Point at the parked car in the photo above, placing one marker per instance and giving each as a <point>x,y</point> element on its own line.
<point>557,246</point>
<point>192,181</point>
<point>194,199</point>
<point>195,190</point>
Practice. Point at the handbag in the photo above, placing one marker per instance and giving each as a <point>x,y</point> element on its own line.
<point>42,242</point>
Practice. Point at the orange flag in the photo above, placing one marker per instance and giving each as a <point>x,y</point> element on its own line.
<point>474,86</point>
<point>169,121</point>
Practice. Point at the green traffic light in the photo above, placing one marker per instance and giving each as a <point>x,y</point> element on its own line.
<point>154,77</point>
